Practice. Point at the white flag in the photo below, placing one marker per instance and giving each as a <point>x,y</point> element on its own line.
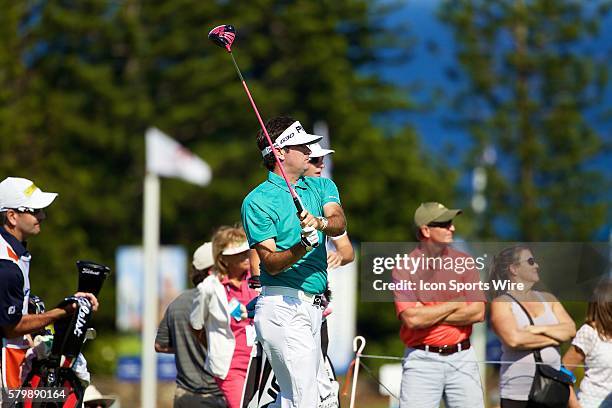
<point>168,158</point>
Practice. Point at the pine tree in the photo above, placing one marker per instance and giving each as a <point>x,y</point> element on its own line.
<point>532,86</point>
<point>74,127</point>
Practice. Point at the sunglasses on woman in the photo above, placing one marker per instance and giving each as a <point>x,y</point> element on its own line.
<point>316,160</point>
<point>531,261</point>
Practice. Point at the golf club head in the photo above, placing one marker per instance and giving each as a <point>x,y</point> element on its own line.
<point>223,36</point>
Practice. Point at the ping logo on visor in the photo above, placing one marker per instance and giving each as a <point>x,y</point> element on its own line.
<point>292,136</point>
<point>298,129</point>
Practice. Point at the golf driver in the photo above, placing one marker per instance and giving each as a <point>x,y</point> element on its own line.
<point>224,36</point>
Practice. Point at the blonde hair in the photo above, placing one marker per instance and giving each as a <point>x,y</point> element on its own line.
<point>225,236</point>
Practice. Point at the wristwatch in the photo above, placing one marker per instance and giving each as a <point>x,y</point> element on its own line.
<point>324,222</point>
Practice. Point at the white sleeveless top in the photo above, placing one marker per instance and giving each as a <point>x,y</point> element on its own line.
<point>515,379</point>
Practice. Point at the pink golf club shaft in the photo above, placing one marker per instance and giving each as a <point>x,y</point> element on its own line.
<point>224,36</point>
<point>296,199</point>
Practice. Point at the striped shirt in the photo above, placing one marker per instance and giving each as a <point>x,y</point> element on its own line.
<point>174,331</point>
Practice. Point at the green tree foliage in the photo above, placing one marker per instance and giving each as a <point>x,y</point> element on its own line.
<point>81,138</point>
<point>12,93</point>
<point>531,81</point>
<point>82,80</point>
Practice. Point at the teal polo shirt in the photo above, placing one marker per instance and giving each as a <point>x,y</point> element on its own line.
<point>268,212</point>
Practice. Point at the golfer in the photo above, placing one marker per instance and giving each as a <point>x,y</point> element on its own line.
<point>293,264</point>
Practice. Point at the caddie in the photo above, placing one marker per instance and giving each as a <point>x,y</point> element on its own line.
<point>293,264</point>
<point>439,361</point>
<point>21,214</point>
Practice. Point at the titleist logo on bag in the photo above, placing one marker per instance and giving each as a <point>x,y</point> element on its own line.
<point>84,311</point>
<point>90,271</point>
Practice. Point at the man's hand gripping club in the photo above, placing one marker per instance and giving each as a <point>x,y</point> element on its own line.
<point>310,238</point>
<point>309,234</point>
<point>276,262</point>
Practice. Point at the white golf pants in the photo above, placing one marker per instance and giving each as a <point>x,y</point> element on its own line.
<point>289,331</point>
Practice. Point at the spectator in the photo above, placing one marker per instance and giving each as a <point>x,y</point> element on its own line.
<point>552,324</point>
<point>195,385</point>
<point>592,347</point>
<point>439,362</point>
<point>340,252</point>
<point>219,313</point>
<point>94,399</point>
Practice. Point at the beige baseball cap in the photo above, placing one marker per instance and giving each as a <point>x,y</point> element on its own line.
<point>17,192</point>
<point>203,257</point>
<point>433,212</point>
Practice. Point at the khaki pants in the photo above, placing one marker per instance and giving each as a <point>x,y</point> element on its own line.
<point>430,377</point>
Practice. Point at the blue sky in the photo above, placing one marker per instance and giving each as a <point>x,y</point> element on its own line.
<point>433,54</point>
<point>428,68</point>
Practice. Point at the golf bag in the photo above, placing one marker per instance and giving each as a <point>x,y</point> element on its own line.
<point>56,371</point>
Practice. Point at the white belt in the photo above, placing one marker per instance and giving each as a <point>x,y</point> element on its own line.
<point>295,293</point>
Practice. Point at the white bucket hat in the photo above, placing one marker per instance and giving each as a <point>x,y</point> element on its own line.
<point>203,257</point>
<point>93,396</point>
<point>294,135</point>
<point>16,192</point>
<point>317,151</point>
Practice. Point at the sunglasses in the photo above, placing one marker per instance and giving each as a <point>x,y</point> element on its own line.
<point>531,261</point>
<point>445,224</point>
<point>28,210</point>
<point>316,160</point>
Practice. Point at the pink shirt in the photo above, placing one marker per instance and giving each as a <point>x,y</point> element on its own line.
<point>244,295</point>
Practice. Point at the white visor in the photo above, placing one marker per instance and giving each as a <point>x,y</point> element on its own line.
<point>317,151</point>
<point>233,250</point>
<point>294,135</point>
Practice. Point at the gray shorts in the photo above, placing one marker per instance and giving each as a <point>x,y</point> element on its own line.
<point>185,399</point>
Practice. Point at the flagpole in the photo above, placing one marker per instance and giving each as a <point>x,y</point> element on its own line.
<point>148,385</point>
<point>164,157</point>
